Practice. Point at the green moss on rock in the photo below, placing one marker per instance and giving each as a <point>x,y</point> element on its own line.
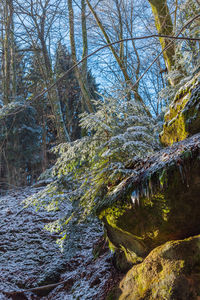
<point>183,118</point>
<point>167,191</point>
<point>171,272</point>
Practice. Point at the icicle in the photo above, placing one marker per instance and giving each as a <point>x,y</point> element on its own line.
<point>147,195</point>
<point>150,186</point>
<point>135,198</point>
<point>181,172</point>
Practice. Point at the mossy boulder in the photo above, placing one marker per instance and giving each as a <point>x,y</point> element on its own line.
<point>183,118</point>
<point>171,272</point>
<point>160,202</point>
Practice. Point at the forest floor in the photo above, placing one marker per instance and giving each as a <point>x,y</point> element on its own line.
<point>31,258</point>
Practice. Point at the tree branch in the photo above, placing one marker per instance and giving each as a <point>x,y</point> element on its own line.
<point>173,38</point>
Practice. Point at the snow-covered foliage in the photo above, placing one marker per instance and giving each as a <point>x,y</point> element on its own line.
<point>88,168</point>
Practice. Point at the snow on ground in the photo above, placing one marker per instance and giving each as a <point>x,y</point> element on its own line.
<point>30,257</point>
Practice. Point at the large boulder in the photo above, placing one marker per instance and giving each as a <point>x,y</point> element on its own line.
<point>160,202</point>
<point>171,272</point>
<point>148,212</point>
<point>183,117</point>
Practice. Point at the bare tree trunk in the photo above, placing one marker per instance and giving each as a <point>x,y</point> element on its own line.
<point>85,41</point>
<point>8,58</point>
<point>46,67</point>
<point>62,133</point>
<point>121,51</point>
<point>86,97</point>
<point>6,54</point>
<point>119,58</point>
<point>164,26</point>
<point>12,52</point>
<point>44,143</point>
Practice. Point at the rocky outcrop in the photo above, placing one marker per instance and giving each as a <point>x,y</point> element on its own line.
<point>183,118</point>
<point>160,202</point>
<point>153,216</point>
<point>171,272</point>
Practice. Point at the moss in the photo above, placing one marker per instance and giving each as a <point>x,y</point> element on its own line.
<point>129,229</point>
<point>183,117</point>
<point>174,131</point>
<point>113,213</point>
<point>186,154</point>
<point>124,259</point>
<point>167,212</point>
<point>176,107</point>
<point>168,272</point>
<point>131,257</point>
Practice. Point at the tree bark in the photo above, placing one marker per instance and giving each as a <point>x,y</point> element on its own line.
<point>86,97</point>
<point>164,26</point>
<point>120,60</point>
<point>62,133</point>
<point>6,54</point>
<point>85,40</point>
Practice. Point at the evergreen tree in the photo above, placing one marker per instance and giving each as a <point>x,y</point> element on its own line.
<point>69,92</point>
<point>118,134</point>
<point>21,84</point>
<point>44,115</point>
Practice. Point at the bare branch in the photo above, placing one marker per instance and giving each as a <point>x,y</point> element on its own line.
<point>173,39</point>
<point>28,50</point>
<point>117,42</point>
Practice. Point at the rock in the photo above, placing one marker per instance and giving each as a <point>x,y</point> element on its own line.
<point>171,272</point>
<point>183,118</point>
<point>159,204</point>
<point>122,262</point>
